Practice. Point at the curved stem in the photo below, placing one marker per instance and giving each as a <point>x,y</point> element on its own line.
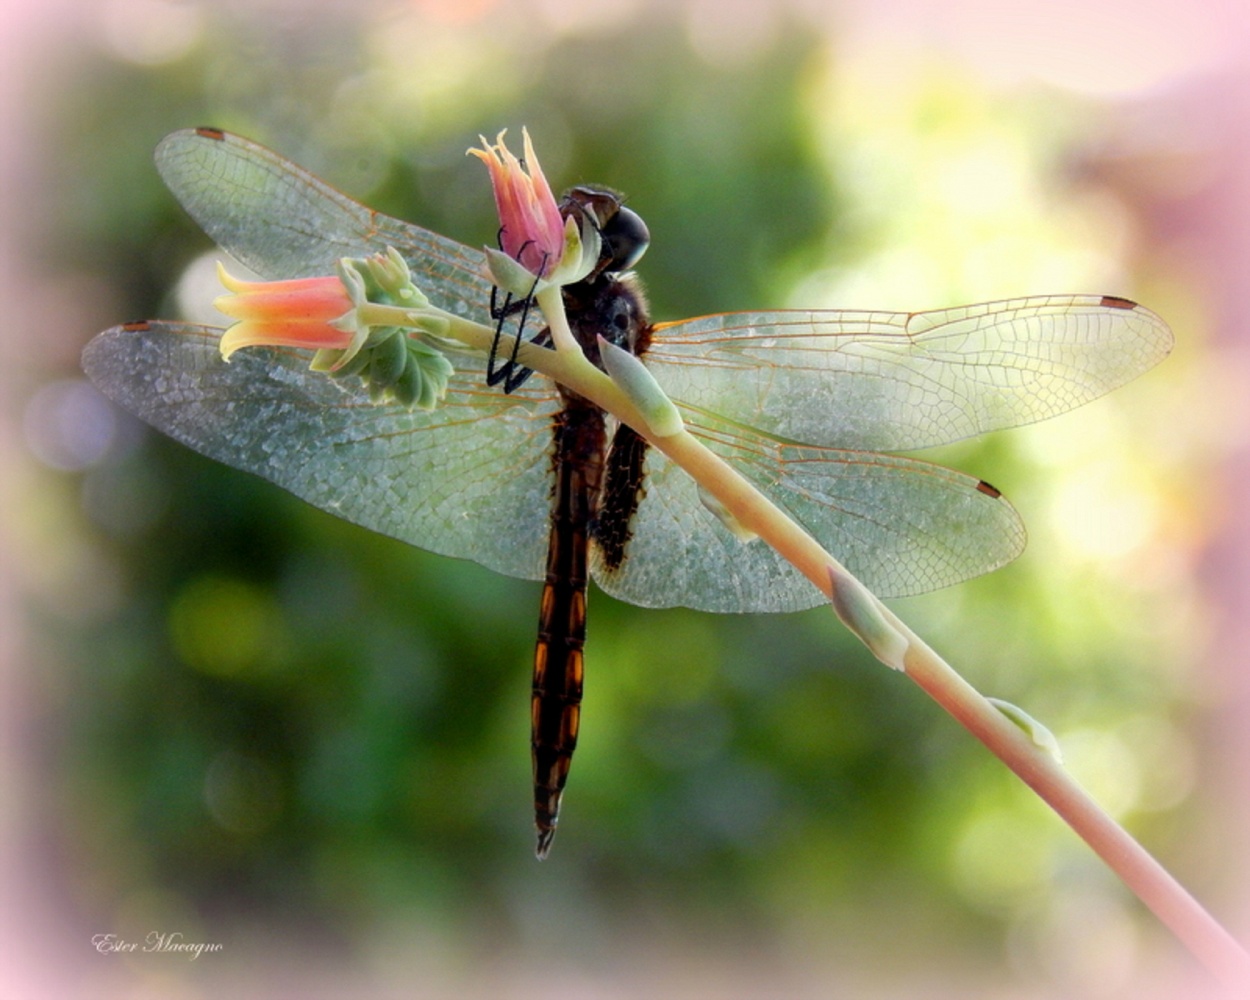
<point>1206,939</point>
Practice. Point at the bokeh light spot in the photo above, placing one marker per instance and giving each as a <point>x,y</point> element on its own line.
<point>150,32</point>
<point>227,627</point>
<point>69,426</point>
<point>1098,515</point>
<point>1000,856</point>
<point>730,32</point>
<point>198,286</point>
<point>1105,766</point>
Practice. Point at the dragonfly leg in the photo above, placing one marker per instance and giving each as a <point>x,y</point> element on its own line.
<point>495,374</point>
<point>512,374</point>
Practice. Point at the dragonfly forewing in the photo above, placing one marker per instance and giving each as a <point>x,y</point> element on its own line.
<point>283,222</point>
<point>882,381</point>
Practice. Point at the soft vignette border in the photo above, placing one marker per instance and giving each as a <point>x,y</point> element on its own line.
<point>45,958</point>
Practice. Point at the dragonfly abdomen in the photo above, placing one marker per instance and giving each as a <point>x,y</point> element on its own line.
<point>557,694</point>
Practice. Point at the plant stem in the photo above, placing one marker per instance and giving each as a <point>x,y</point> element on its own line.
<point>1205,938</point>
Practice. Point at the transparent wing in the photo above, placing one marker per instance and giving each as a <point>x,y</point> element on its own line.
<point>470,479</point>
<point>883,381</point>
<point>283,222</point>
<point>902,526</point>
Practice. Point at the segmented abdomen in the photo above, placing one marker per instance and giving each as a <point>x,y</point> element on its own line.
<point>557,697</point>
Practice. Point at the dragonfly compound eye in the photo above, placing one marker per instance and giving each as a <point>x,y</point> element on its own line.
<point>628,237</point>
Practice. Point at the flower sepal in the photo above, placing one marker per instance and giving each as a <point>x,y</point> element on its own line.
<point>509,275</point>
<point>382,279</point>
<point>583,246</point>
<point>393,366</point>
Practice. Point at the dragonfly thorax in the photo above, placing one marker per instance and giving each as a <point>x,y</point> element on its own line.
<point>610,306</point>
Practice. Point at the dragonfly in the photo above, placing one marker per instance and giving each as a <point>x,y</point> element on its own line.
<point>812,407</point>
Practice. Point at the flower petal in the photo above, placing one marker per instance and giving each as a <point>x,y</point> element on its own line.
<point>322,298</point>
<point>293,333</point>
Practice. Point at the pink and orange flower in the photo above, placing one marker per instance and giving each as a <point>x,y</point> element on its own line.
<point>532,231</point>
<point>539,247</point>
<point>296,313</point>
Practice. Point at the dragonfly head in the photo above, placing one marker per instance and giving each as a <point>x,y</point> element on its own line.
<point>625,236</point>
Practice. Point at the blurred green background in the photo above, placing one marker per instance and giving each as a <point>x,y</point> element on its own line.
<point>252,724</point>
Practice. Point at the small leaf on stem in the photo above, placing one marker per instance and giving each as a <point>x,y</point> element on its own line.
<point>859,611</point>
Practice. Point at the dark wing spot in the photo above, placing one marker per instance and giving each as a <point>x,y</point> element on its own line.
<point>208,132</point>
<point>1115,302</point>
<point>988,490</point>
<point>139,326</point>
